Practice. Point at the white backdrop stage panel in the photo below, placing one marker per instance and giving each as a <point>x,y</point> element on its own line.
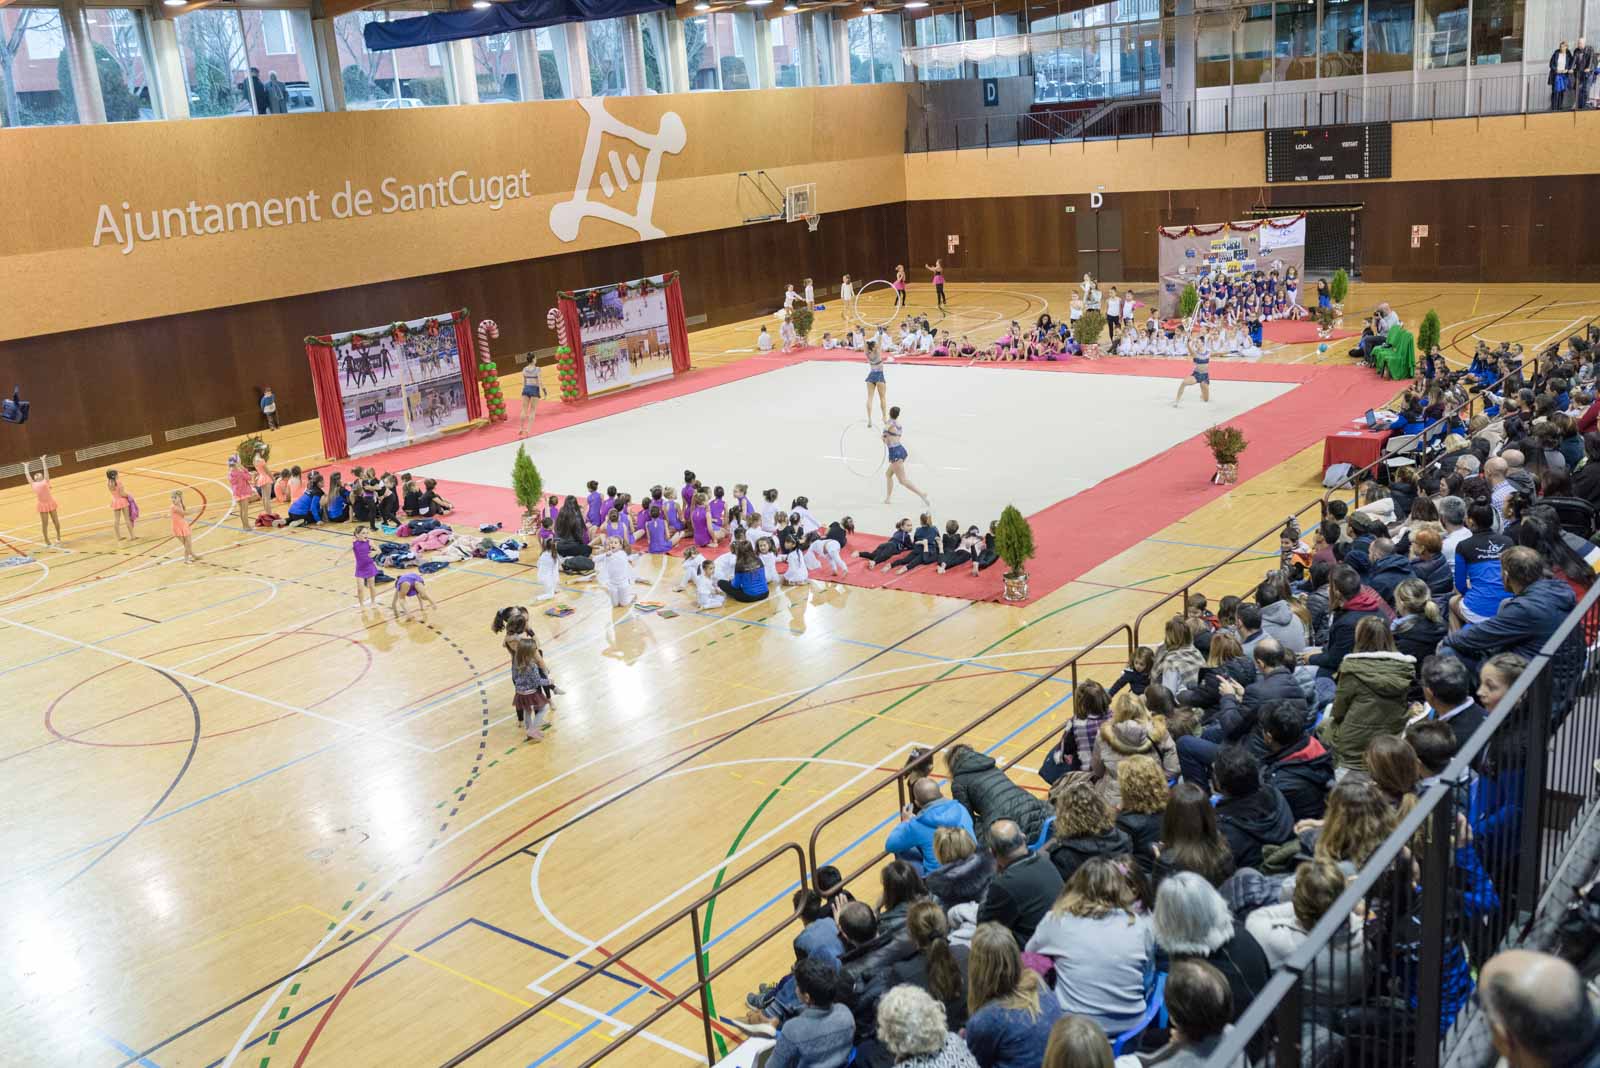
<point>980,438</point>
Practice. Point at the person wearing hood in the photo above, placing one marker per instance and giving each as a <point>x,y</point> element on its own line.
<point>1370,698</point>
<point>1294,761</point>
<point>1537,605</point>
<point>1085,828</point>
<point>1130,732</point>
<point>1278,620</point>
<point>964,871</point>
<point>1350,602</point>
<point>928,811</point>
<point>1389,569</point>
<point>1478,568</point>
<point>1251,815</point>
<point>989,794</point>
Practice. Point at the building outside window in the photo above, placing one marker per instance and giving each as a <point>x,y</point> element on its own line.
<point>874,48</point>
<point>784,36</point>
<point>35,85</point>
<point>122,58</point>
<point>390,79</point>
<point>720,50</point>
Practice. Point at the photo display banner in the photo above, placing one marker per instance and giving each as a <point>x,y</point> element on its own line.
<point>393,385</point>
<point>1236,249</point>
<point>626,334</point>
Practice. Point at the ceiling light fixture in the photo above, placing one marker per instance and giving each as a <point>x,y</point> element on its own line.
<point>702,6</point>
<point>912,5</point>
<point>756,3</point>
<point>480,5</point>
<point>175,3</point>
<point>790,9</point>
<point>869,10</point>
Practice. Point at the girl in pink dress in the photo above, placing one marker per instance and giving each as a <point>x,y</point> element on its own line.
<point>938,281</point>
<point>180,528</point>
<point>243,491</point>
<point>120,510</point>
<point>899,286</point>
<point>46,501</point>
<point>366,570</point>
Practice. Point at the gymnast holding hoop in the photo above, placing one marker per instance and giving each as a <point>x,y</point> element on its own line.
<point>897,459</point>
<point>876,383</point>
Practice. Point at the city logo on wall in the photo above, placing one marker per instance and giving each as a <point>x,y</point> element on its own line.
<point>566,218</point>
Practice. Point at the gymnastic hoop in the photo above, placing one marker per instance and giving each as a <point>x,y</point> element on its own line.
<point>844,457</point>
<point>855,304</point>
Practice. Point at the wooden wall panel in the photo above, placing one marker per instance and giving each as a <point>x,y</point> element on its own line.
<point>121,381</point>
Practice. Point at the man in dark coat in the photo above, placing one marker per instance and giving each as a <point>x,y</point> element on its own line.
<point>1525,621</point>
<point>1447,689</point>
<point>1389,569</point>
<point>866,974</point>
<point>1294,761</point>
<point>1251,814</point>
<point>1028,884</point>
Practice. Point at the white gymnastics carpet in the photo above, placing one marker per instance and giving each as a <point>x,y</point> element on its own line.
<point>979,437</point>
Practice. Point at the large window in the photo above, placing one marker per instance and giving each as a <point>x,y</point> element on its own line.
<point>784,35</point>
<point>653,41</point>
<point>554,77</point>
<point>1343,28</point>
<point>1252,46</point>
<point>494,65</point>
<point>1000,66</point>
<point>245,62</point>
<point>35,86</point>
<point>1497,31</point>
<point>608,57</point>
<point>819,41</point>
<point>121,59</point>
<point>1390,35</point>
<point>1295,42</point>
<point>874,48</point>
<point>1444,33</point>
<point>720,50</point>
<point>391,79</point>
<point>937,29</point>
<point>1212,51</point>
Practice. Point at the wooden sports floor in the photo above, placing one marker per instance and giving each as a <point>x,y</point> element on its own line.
<point>252,824</point>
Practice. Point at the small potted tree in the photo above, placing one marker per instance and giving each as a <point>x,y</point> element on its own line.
<point>801,318</point>
<point>1428,332</point>
<point>1013,541</point>
<point>1226,444</point>
<point>1087,333</point>
<point>527,486</point>
<point>1339,288</point>
<point>1188,300</point>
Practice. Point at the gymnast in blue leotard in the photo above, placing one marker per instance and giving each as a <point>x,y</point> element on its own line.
<point>1200,373</point>
<point>875,382</point>
<point>897,459</point>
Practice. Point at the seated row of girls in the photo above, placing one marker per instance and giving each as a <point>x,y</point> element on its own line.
<point>907,548</point>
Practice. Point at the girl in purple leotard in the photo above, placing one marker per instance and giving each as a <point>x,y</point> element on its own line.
<point>366,570</point>
<point>700,521</point>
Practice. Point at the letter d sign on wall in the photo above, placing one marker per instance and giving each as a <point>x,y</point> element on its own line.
<point>1097,201</point>
<point>991,92</point>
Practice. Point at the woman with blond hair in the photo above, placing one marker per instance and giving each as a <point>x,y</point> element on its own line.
<point>1008,1023</point>
<point>964,871</point>
<point>1131,732</point>
<point>1077,1043</point>
<point>1110,983</point>
<point>1085,827</point>
<point>1144,805</point>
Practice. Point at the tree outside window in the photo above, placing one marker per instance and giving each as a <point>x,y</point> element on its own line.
<point>32,92</point>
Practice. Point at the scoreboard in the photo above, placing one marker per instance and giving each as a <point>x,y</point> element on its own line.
<point>1329,153</point>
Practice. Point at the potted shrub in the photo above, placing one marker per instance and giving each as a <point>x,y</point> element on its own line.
<point>250,448</point>
<point>1226,444</point>
<point>527,486</point>
<point>1339,287</point>
<point>1188,300</point>
<point>1013,541</point>
<point>1087,333</point>
<point>801,318</point>
<point>1326,318</point>
<point>1428,332</point>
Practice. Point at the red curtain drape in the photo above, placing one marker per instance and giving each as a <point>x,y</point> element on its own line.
<point>677,332</point>
<point>568,307</point>
<point>461,322</point>
<point>330,402</point>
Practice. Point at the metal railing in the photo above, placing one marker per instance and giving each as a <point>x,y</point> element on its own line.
<point>897,780</point>
<point>1470,96</point>
<point>703,977</point>
<point>1462,870</point>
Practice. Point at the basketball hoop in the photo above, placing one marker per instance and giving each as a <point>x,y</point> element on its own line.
<point>812,222</point>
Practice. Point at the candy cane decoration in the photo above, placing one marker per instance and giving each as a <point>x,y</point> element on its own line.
<point>566,364</point>
<point>494,400</point>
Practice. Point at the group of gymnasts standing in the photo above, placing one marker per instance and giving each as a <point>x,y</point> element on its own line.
<point>124,510</point>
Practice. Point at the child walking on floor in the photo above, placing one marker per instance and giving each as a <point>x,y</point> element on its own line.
<point>243,492</point>
<point>366,570</point>
<point>529,680</point>
<point>180,528</point>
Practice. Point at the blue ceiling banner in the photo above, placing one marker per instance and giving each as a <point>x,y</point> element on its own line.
<point>499,18</point>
